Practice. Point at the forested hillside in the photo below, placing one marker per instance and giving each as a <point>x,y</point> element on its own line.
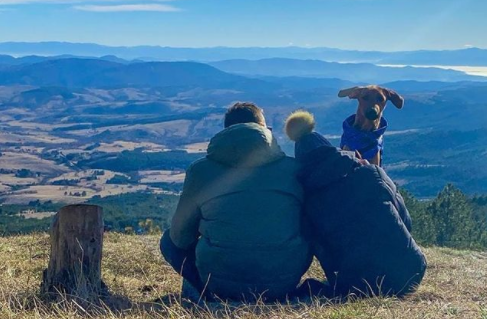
<point>452,219</point>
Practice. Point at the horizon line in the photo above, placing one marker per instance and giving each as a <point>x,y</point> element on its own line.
<point>234,47</point>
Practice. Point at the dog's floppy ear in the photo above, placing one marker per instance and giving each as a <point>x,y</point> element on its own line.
<point>395,98</point>
<point>352,93</point>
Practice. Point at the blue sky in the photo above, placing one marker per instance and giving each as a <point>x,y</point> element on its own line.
<point>388,25</point>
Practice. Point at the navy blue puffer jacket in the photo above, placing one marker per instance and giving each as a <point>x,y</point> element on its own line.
<point>359,225</point>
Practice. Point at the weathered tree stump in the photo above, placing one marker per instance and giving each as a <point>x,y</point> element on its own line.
<point>76,252</point>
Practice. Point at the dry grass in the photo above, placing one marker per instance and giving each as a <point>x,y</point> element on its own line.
<point>32,137</point>
<point>159,176</point>
<point>33,162</point>
<point>197,147</point>
<point>56,193</point>
<point>120,146</point>
<point>455,287</point>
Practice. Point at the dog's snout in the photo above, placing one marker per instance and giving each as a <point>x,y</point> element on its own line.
<point>372,114</point>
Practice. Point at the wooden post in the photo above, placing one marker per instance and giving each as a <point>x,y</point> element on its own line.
<point>76,251</point>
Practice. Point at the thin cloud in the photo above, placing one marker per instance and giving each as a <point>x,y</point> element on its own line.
<point>23,2</point>
<point>147,7</point>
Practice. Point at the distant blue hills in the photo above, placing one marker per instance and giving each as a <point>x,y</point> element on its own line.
<point>470,56</point>
<point>111,71</point>
<point>355,72</point>
<point>31,59</point>
<point>80,73</point>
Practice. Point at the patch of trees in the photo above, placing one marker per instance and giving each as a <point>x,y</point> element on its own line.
<point>120,179</point>
<point>139,212</point>
<point>133,210</point>
<point>451,220</point>
<point>56,156</point>
<point>75,194</point>
<point>92,146</point>
<point>446,153</point>
<point>25,173</point>
<point>172,186</point>
<point>129,161</point>
<point>99,121</point>
<point>11,223</point>
<point>66,182</point>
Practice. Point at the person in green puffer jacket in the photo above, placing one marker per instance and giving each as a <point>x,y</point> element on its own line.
<point>236,232</point>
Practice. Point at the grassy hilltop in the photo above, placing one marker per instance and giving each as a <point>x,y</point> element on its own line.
<point>455,286</point>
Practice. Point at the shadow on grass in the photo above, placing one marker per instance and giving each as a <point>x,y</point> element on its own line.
<point>174,305</point>
<point>60,303</point>
<point>219,308</point>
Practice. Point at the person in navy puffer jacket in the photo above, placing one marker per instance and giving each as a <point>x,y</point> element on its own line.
<point>357,221</point>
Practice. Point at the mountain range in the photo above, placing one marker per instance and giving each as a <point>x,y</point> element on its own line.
<point>111,71</point>
<point>81,73</point>
<point>469,56</point>
<point>356,72</point>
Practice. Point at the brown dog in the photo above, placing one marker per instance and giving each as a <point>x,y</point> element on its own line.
<point>363,132</point>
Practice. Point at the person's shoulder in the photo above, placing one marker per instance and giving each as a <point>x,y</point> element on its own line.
<point>288,162</point>
<point>198,165</point>
<point>370,171</point>
<point>376,175</point>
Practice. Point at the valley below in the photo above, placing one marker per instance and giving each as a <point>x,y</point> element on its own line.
<point>74,130</point>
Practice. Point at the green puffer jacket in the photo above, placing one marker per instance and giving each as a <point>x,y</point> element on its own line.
<point>243,205</point>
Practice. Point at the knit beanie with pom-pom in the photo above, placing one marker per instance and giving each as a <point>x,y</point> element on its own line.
<point>299,128</point>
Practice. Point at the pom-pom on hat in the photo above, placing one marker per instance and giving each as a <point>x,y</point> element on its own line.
<point>298,124</point>
<point>299,127</point>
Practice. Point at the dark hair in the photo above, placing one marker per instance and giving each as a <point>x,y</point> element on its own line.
<point>244,112</point>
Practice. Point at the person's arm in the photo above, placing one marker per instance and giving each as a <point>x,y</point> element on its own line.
<point>397,199</point>
<point>398,202</point>
<point>185,223</point>
<point>403,211</point>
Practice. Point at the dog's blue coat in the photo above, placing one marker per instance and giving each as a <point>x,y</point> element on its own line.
<point>366,143</point>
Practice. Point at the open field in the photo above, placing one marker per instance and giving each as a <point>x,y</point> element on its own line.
<point>148,177</point>
<point>196,147</point>
<point>52,193</point>
<point>94,179</point>
<point>17,161</point>
<point>68,194</point>
<point>11,179</point>
<point>119,146</point>
<point>40,137</point>
<point>454,287</point>
<point>35,152</point>
<point>30,214</point>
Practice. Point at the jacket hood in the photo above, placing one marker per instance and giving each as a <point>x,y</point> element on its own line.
<point>324,166</point>
<point>244,145</point>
